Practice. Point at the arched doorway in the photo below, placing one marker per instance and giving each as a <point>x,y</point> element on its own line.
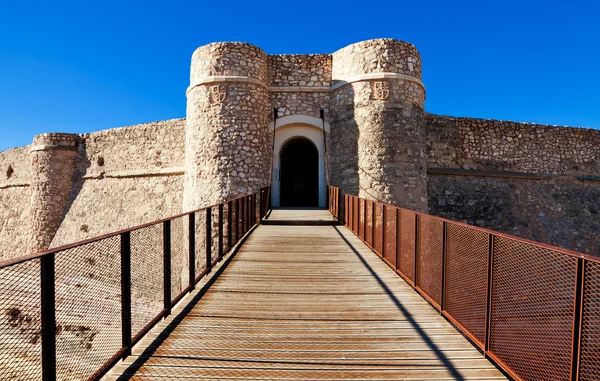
<point>299,173</point>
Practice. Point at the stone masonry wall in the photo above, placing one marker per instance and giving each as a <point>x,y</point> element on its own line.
<point>299,70</point>
<point>125,177</point>
<point>15,192</point>
<point>536,181</point>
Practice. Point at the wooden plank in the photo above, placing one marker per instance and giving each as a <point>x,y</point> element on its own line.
<point>310,303</point>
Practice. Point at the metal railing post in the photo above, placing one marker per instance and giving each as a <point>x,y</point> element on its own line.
<point>167,266</point>
<point>578,319</point>
<point>398,238</point>
<point>220,231</point>
<point>444,253</point>
<point>192,250</point>
<point>237,220</point>
<point>208,239</point>
<point>488,311</point>
<point>416,253</point>
<point>126,293</point>
<point>260,205</point>
<point>373,223</point>
<point>48,315</point>
<point>383,230</point>
<point>229,224</point>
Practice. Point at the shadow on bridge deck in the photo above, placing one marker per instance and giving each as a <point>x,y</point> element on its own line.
<point>306,302</point>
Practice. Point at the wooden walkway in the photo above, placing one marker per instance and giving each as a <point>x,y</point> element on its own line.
<point>309,303</point>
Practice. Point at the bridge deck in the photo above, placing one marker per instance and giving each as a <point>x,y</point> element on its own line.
<point>311,302</point>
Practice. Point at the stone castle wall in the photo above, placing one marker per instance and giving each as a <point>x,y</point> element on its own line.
<point>536,181</point>
<point>15,193</point>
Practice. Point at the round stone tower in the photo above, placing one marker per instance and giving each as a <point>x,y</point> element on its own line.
<point>53,168</point>
<point>227,151</point>
<point>377,131</point>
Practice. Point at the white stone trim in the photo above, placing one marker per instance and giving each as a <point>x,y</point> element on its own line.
<point>372,76</point>
<point>224,78</point>
<point>300,119</point>
<point>299,89</point>
<point>14,185</point>
<point>174,171</point>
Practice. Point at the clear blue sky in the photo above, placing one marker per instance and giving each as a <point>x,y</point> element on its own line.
<point>82,66</point>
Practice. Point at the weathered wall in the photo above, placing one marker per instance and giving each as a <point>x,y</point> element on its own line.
<point>125,177</point>
<point>378,99</point>
<point>536,181</point>
<point>15,192</point>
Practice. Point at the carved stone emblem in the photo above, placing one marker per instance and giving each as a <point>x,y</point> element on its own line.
<point>218,93</point>
<point>380,90</point>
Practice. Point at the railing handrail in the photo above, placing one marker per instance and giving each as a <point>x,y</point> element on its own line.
<point>482,281</point>
<point>25,258</point>
<point>541,245</point>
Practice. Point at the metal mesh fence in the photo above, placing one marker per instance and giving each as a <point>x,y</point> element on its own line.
<point>407,245</point>
<point>200,242</point>
<point>179,255</point>
<point>430,257</point>
<point>369,223</point>
<point>146,276</point>
<point>590,324</point>
<point>88,307</point>
<point>533,296</point>
<point>390,234</point>
<point>467,252</point>
<point>20,324</point>
<point>377,239</point>
<point>361,218</point>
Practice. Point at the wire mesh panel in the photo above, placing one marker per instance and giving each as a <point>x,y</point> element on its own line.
<point>20,325</point>
<point>467,252</point>
<point>356,214</point>
<point>88,307</point>
<point>369,223</point>
<point>390,234</point>
<point>533,296</point>
<point>377,239</point>
<point>179,255</point>
<point>589,368</point>
<point>430,257</point>
<point>361,218</point>
<point>146,276</point>
<point>200,242</point>
<point>407,244</point>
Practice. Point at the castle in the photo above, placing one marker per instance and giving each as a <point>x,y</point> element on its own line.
<point>375,140</point>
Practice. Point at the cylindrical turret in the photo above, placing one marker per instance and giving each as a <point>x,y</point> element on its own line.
<point>377,105</point>
<point>53,167</point>
<point>227,151</point>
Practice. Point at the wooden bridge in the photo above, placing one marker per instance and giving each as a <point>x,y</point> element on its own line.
<point>363,290</point>
<point>311,303</point>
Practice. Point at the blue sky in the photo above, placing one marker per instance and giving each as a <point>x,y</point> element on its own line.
<point>82,66</point>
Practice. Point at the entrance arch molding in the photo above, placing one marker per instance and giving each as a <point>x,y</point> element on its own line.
<point>298,126</point>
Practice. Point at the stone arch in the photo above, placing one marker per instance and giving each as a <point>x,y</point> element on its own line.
<point>299,126</point>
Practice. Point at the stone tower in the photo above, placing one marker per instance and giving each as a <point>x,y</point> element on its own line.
<point>52,159</point>
<point>377,130</point>
<point>227,145</point>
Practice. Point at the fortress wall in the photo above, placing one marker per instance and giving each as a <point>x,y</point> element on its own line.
<point>299,70</point>
<point>15,193</point>
<point>125,177</point>
<point>536,181</point>
<point>471,143</point>
<point>299,103</point>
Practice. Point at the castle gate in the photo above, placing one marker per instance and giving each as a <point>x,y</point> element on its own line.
<point>299,162</point>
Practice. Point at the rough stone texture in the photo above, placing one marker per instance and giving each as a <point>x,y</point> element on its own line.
<point>560,212</point>
<point>53,169</point>
<point>299,103</point>
<point>15,192</point>
<point>227,142</point>
<point>510,146</point>
<point>310,70</point>
<point>390,133</point>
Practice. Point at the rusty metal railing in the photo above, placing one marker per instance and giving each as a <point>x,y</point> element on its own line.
<point>334,199</point>
<point>532,308</point>
<point>74,311</point>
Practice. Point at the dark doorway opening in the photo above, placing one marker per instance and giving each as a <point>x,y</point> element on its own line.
<point>299,174</point>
